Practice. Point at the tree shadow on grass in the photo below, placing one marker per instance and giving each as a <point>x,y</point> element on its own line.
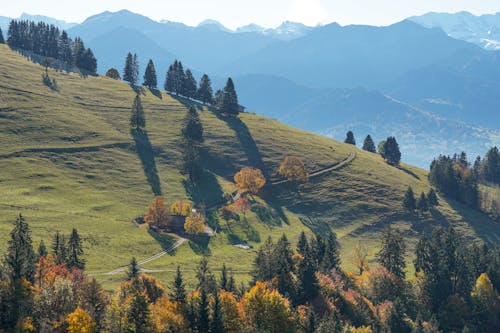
<point>246,140</point>
<point>156,93</point>
<point>199,245</point>
<point>146,154</point>
<point>411,173</point>
<point>166,241</point>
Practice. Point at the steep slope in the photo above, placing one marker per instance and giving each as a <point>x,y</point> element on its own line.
<point>69,160</point>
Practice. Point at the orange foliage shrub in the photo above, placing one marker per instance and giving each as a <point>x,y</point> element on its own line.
<point>249,179</point>
<point>182,208</point>
<point>80,321</point>
<point>156,213</point>
<point>293,169</point>
<point>195,224</point>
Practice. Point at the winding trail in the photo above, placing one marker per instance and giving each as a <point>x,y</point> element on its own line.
<point>122,269</point>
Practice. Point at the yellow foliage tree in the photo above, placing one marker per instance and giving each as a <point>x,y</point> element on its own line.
<point>182,208</point>
<point>484,295</point>
<point>167,316</point>
<point>266,310</point>
<point>80,321</point>
<point>156,213</point>
<point>360,258</point>
<point>229,306</point>
<point>249,179</point>
<point>195,224</point>
<point>293,169</point>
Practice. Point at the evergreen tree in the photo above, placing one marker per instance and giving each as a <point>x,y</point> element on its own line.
<point>205,92</point>
<point>193,129</point>
<point>89,62</point>
<point>170,79</point>
<point>216,322</point>
<point>59,248</point>
<point>94,302</point>
<point>135,69</point>
<point>137,119</point>
<point>223,278</point>
<point>491,166</point>
<point>203,319</point>
<point>264,269</point>
<point>78,52</point>
<point>2,40</point>
<point>75,251</point>
<point>133,269</point>
<point>302,244</point>
<point>179,78</point>
<point>217,101</point>
<point>231,285</point>
<point>150,80</point>
<point>206,280</point>
<point>422,204</point>
<point>311,322</point>
<point>128,70</point>
<point>283,266</point>
<point>318,248</point>
<point>331,258</point>
<point>392,252</point>
<point>20,258</point>
<point>409,202</point>
<point>350,138</point>
<point>190,85</point>
<point>307,281</point>
<point>138,316</point>
<point>389,150</point>
<point>369,145</point>
<point>65,53</point>
<point>432,198</point>
<point>178,293</point>
<point>229,103</point>
<point>42,249</point>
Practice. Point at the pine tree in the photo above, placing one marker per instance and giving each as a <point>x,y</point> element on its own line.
<point>389,150</point>
<point>65,53</point>
<point>193,129</point>
<point>392,252</point>
<point>20,258</point>
<point>137,119</point>
<point>135,69</point>
<point>491,166</point>
<point>350,138</point>
<point>94,301</point>
<point>59,248</point>
<point>331,258</point>
<point>179,78</point>
<point>223,278</point>
<point>128,70</point>
<point>75,251</point>
<point>307,281</point>
<point>302,244</point>
<point>216,322</point>
<point>229,103</point>
<point>150,80</point>
<point>178,293</point>
<point>206,280</point>
<point>169,80</point>
<point>113,73</point>
<point>138,316</point>
<point>133,269</point>
<point>311,322</point>
<point>231,285</point>
<point>203,319</point>
<point>409,202</point>
<point>369,145</point>
<point>432,198</point>
<point>2,40</point>
<point>422,204</point>
<point>78,52</point>
<point>89,62</point>
<point>205,92</point>
<point>190,85</point>
<point>42,249</point>
<point>283,266</point>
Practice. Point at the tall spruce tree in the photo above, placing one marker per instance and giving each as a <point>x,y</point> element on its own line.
<point>193,129</point>
<point>491,166</point>
<point>216,320</point>
<point>138,315</point>
<point>178,293</point>
<point>150,80</point>
<point>422,204</point>
<point>20,258</point>
<point>133,269</point>
<point>59,248</point>
<point>331,258</point>
<point>432,198</point>
<point>392,252</point>
<point>205,92</point>
<point>229,103</point>
<point>170,79</point>
<point>190,85</point>
<point>2,40</point>
<point>42,249</point>
<point>409,202</point>
<point>369,145</point>
<point>203,319</point>
<point>65,53</point>
<point>128,69</point>
<point>350,138</point>
<point>135,69</point>
<point>75,251</point>
<point>206,280</point>
<point>137,118</point>
<point>223,282</point>
<point>283,266</point>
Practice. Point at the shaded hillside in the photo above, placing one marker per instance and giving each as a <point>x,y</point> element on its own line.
<point>68,159</point>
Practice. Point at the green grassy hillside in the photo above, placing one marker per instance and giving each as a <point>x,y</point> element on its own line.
<point>68,159</point>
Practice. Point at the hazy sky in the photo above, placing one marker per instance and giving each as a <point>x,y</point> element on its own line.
<point>268,13</point>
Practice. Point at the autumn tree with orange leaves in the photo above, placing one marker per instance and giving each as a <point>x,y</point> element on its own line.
<point>80,321</point>
<point>249,180</point>
<point>293,169</point>
<point>156,213</point>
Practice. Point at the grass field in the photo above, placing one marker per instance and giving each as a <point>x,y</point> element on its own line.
<point>68,159</point>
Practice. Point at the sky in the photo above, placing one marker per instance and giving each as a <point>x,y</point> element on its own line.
<point>235,13</point>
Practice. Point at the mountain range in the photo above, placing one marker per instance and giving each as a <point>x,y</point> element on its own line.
<point>425,79</point>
